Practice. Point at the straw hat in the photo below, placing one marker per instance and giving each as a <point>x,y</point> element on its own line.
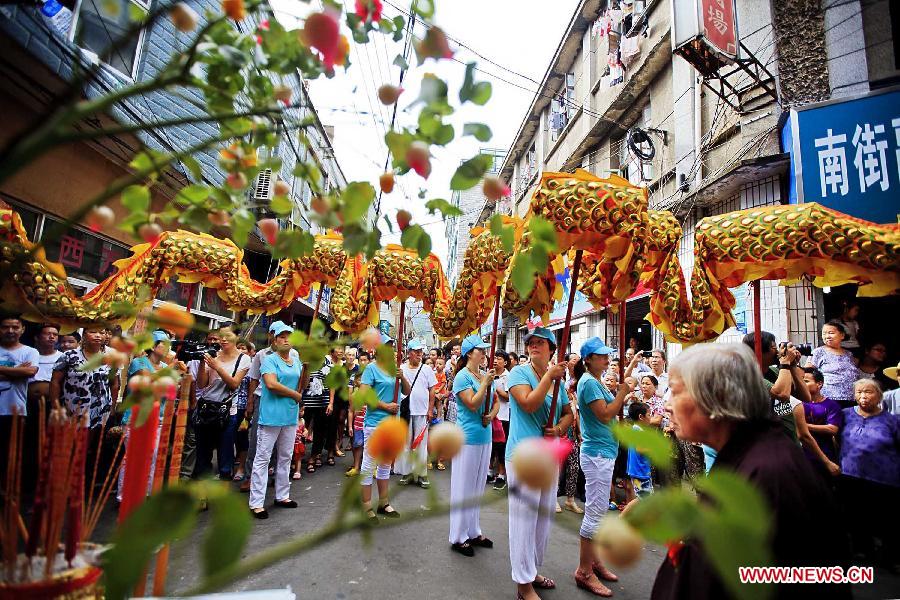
<point>892,372</point>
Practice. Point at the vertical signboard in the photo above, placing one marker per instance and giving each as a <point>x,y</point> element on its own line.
<point>720,26</point>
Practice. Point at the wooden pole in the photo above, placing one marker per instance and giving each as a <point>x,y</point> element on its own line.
<point>315,316</point>
<point>397,344</point>
<point>564,342</point>
<point>487,403</point>
<point>757,324</point>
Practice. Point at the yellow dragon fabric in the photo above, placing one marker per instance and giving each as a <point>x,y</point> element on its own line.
<point>623,243</point>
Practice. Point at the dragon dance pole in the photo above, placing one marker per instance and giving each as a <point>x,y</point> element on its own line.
<point>564,342</point>
<point>398,344</point>
<point>622,311</point>
<point>757,324</point>
<point>315,316</point>
<point>487,403</point>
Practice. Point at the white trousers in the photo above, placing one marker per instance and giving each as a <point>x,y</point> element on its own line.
<point>368,467</point>
<point>281,438</point>
<point>598,473</point>
<point>530,511</point>
<point>414,461</point>
<point>468,474</point>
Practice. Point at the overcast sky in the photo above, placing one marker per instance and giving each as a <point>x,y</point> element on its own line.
<point>519,36</point>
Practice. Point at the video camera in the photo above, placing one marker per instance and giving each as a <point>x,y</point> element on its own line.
<point>187,350</point>
<point>803,349</point>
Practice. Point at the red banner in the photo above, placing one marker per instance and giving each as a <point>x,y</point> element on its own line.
<point>719,26</point>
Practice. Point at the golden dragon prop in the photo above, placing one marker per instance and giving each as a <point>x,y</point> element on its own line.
<point>623,243</point>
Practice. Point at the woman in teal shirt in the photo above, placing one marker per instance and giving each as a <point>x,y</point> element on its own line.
<point>530,392</point>
<point>279,407</point>
<point>597,409</point>
<point>468,472</point>
<point>383,385</point>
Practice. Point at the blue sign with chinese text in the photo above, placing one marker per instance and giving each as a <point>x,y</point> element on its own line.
<point>845,154</point>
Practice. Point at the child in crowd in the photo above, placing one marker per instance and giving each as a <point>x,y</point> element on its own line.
<point>358,418</point>
<point>638,469</point>
<point>300,440</point>
<point>441,397</point>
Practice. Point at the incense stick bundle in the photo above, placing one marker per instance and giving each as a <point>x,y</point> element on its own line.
<point>97,504</point>
<point>76,491</point>
<point>60,482</point>
<point>47,443</point>
<point>12,489</point>
<point>162,557</point>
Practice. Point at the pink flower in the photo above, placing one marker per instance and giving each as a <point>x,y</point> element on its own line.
<point>321,32</point>
<point>369,10</point>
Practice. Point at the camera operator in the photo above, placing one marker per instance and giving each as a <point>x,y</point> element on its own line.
<point>218,380</point>
<point>789,379</point>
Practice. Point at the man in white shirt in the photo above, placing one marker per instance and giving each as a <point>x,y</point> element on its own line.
<point>412,464</point>
<point>18,364</point>
<point>38,394</point>
<point>658,366</point>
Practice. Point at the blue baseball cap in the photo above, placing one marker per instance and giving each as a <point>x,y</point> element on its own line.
<point>472,342</point>
<point>542,332</point>
<point>386,339</point>
<point>279,327</point>
<point>415,344</point>
<point>160,336</point>
<point>595,346</point>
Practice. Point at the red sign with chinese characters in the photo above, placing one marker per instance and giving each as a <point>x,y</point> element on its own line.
<point>719,26</point>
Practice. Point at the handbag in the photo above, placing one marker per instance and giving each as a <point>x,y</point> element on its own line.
<point>404,401</point>
<point>215,412</point>
<point>498,434</point>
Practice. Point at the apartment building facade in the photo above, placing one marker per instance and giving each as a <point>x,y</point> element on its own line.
<point>617,99</point>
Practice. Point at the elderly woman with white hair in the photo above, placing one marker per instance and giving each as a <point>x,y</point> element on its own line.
<point>718,398</point>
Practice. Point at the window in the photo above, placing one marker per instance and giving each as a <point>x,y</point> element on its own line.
<point>97,29</point>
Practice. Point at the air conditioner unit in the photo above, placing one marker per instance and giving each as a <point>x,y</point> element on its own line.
<point>263,188</point>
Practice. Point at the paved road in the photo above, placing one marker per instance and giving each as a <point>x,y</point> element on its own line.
<point>413,561</point>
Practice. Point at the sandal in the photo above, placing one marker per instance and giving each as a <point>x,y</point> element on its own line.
<point>330,461</point>
<point>339,452</point>
<point>310,467</point>
<point>584,582</point>
<point>372,517</point>
<point>238,477</point>
<point>544,583</point>
<point>259,514</point>
<point>286,503</point>
<point>383,510</point>
<point>603,573</point>
<point>297,475</point>
<point>482,541</point>
<point>441,467</point>
<point>318,461</point>
<point>465,549</point>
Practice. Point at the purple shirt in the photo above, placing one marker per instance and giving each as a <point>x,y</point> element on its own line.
<point>840,373</point>
<point>826,412</point>
<point>870,447</point>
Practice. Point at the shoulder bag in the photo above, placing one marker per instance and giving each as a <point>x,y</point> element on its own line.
<point>216,412</point>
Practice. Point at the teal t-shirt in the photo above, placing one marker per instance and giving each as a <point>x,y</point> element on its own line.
<point>470,420</point>
<point>142,363</point>
<point>275,410</point>
<point>383,385</point>
<point>596,436</point>
<point>523,425</point>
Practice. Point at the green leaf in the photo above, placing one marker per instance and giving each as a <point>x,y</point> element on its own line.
<point>424,8</point>
<point>522,274</point>
<point>337,380</point>
<point>309,172</point>
<point>649,441</point>
<point>543,232</point>
<point>477,92</point>
<point>242,223</point>
<point>281,205</point>
<point>359,240</point>
<point>140,535</point>
<point>506,233</point>
<point>401,62</point>
<point>136,198</point>
<point>433,90</point>
<point>386,359</point>
<point>389,223</point>
<point>416,238</point>
<point>191,163</point>
<point>193,194</point>
<point>666,515</point>
<point>480,131</point>
<point>469,173</point>
<point>293,243</point>
<point>357,197</point>
<point>447,210</point>
<point>228,529</point>
<point>364,397</point>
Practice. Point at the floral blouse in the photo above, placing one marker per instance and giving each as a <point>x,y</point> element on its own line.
<point>840,373</point>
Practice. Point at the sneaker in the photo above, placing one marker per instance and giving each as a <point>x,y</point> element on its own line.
<point>424,483</point>
<point>490,478</point>
<point>499,484</point>
<point>405,479</point>
<point>351,472</point>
